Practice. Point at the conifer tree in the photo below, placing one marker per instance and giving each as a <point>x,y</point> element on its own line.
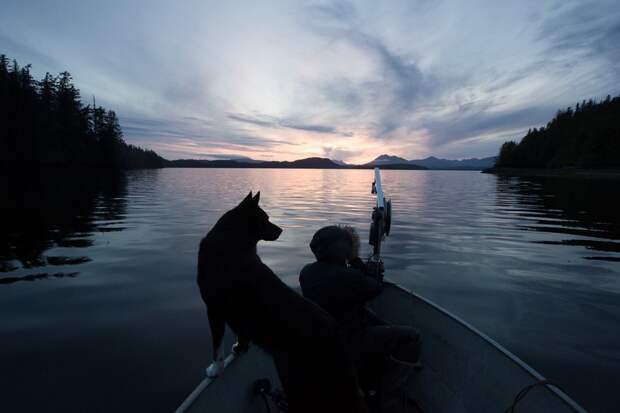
<point>45,123</point>
<point>586,137</point>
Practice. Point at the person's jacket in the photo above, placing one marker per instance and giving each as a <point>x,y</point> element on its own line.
<point>340,290</point>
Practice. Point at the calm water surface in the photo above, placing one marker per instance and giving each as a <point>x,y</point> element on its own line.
<point>100,311</point>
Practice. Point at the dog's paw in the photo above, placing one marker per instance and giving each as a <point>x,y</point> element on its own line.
<point>239,348</point>
<point>215,368</point>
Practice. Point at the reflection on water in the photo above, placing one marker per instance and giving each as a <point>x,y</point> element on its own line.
<point>55,210</point>
<point>582,208</point>
<point>531,262</point>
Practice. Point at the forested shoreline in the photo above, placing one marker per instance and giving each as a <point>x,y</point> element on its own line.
<point>586,137</point>
<point>44,123</point>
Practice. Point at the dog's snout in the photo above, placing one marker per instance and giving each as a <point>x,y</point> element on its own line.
<point>272,232</point>
<point>279,231</point>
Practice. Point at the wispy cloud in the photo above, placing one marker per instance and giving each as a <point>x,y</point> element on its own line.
<point>347,80</point>
<point>339,154</point>
<point>396,85</point>
<point>273,122</point>
<point>591,32</point>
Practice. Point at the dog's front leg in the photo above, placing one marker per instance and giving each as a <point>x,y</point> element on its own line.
<point>242,345</point>
<point>218,325</point>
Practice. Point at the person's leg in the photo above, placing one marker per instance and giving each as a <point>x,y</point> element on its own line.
<point>315,369</point>
<point>320,380</point>
<point>407,344</point>
<point>385,357</point>
<point>376,343</point>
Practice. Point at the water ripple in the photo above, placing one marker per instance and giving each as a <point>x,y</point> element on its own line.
<point>534,263</point>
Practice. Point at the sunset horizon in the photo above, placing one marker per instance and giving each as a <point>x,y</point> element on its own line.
<point>341,80</point>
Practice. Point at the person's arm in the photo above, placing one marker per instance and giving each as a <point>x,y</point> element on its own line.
<point>355,286</point>
<point>374,270</point>
<point>360,265</point>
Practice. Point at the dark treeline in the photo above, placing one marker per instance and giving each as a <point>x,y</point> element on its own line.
<point>585,137</point>
<point>44,122</point>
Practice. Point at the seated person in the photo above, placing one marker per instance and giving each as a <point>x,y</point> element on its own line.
<point>341,283</point>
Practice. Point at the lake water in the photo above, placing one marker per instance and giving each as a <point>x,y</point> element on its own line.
<point>100,311</point>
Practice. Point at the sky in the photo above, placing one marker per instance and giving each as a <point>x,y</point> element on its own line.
<point>283,80</point>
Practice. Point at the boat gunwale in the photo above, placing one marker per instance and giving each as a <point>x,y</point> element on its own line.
<point>523,365</point>
<point>204,384</point>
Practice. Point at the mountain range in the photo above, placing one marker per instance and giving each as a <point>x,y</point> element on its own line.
<point>383,161</point>
<point>306,163</point>
<point>437,163</point>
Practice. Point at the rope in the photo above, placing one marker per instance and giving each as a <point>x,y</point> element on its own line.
<point>524,391</point>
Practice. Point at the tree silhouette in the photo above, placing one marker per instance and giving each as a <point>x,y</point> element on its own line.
<point>45,122</point>
<point>586,137</point>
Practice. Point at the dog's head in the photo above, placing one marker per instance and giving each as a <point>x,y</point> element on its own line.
<point>258,225</point>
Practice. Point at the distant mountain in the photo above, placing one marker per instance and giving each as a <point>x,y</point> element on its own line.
<point>306,163</point>
<point>318,163</point>
<point>244,159</point>
<point>388,159</point>
<point>384,162</point>
<point>435,163</point>
<point>407,166</point>
<point>473,163</point>
<point>321,163</point>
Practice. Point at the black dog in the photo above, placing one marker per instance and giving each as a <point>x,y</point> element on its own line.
<point>241,291</point>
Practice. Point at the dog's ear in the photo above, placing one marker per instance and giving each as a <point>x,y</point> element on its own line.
<point>246,200</point>
<point>256,198</point>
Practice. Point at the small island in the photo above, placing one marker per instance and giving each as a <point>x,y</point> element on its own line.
<point>584,141</point>
<point>44,123</point>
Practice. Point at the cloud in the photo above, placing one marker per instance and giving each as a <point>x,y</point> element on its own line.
<point>343,93</point>
<point>273,122</point>
<point>174,138</point>
<point>12,48</point>
<point>341,79</point>
<point>225,156</point>
<point>269,123</point>
<point>333,11</point>
<point>309,128</point>
<point>395,87</point>
<point>593,32</point>
<point>481,120</point>
<point>340,153</point>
